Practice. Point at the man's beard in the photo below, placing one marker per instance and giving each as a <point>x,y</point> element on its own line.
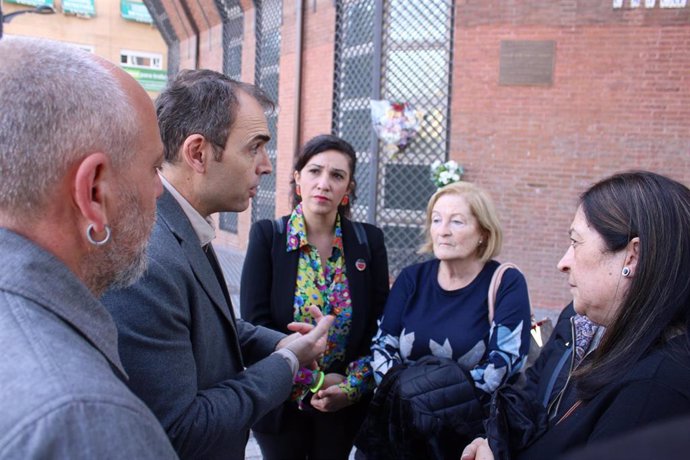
<point>123,260</point>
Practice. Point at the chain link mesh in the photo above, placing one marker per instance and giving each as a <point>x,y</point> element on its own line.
<point>162,22</point>
<point>400,51</point>
<point>233,32</point>
<point>353,87</point>
<point>269,15</point>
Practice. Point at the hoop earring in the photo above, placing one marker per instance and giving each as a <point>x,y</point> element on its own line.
<point>625,272</point>
<point>345,201</point>
<point>89,236</point>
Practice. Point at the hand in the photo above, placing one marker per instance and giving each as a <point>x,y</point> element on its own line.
<point>304,328</point>
<point>330,400</point>
<point>332,379</point>
<point>478,450</point>
<point>299,328</point>
<point>308,347</point>
<point>287,339</point>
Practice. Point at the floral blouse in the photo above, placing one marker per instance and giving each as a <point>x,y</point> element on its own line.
<point>327,288</point>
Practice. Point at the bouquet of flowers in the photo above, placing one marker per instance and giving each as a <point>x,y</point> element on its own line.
<point>395,123</point>
<point>446,173</point>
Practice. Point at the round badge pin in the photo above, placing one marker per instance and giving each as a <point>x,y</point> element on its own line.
<point>360,264</point>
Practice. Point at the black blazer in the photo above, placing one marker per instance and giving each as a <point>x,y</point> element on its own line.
<point>269,277</point>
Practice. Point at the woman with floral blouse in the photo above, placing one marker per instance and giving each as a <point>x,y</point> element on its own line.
<point>317,256</point>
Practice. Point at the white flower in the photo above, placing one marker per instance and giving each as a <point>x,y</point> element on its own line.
<point>446,173</point>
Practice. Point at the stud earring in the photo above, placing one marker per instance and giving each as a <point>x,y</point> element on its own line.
<point>480,243</point>
<point>345,201</point>
<point>625,272</point>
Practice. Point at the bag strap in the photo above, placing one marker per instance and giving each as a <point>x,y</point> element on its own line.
<point>278,226</point>
<point>495,283</point>
<point>361,233</point>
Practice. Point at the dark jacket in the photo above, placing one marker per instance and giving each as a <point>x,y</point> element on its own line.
<point>546,378</point>
<point>519,413</point>
<point>666,440</point>
<point>655,388</point>
<point>206,376</point>
<point>269,277</point>
<point>424,410</point>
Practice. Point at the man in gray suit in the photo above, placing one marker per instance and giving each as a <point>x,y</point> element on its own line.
<point>79,148</point>
<point>207,375</point>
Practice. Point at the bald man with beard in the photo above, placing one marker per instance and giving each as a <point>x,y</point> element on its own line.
<point>79,153</point>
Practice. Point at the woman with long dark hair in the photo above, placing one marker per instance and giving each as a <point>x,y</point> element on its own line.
<point>627,268</point>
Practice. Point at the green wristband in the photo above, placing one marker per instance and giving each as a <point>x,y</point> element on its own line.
<point>316,387</point>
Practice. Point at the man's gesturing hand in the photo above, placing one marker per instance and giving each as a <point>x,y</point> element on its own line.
<point>309,342</point>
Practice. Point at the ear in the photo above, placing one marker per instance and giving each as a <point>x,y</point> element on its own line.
<point>350,186</point>
<point>296,176</point>
<point>196,152</point>
<point>632,254</point>
<point>93,184</point>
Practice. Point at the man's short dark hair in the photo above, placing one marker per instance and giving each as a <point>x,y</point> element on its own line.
<point>201,102</point>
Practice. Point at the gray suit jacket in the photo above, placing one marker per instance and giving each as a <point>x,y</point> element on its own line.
<point>60,390</point>
<point>185,352</point>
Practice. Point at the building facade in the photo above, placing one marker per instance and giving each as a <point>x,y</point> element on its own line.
<point>537,100</point>
<point>120,31</point>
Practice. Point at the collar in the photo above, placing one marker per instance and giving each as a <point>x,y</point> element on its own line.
<point>297,231</point>
<point>37,275</point>
<point>204,228</point>
<point>587,336</point>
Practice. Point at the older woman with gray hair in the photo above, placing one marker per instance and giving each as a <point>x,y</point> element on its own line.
<point>439,308</point>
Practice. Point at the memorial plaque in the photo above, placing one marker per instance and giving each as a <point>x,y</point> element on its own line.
<point>527,62</point>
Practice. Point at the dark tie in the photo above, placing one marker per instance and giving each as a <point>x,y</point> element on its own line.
<point>213,260</point>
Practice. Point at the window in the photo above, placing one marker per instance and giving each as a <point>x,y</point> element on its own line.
<point>141,59</point>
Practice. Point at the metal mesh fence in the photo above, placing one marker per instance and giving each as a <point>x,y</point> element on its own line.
<point>400,51</point>
<point>233,32</point>
<point>162,22</point>
<point>356,58</point>
<point>269,15</point>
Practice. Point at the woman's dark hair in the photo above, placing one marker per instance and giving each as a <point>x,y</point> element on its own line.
<point>655,209</point>
<point>320,144</point>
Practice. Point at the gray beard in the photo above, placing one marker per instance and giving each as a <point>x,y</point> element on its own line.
<point>123,260</point>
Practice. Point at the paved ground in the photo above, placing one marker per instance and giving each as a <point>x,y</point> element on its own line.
<point>231,260</point>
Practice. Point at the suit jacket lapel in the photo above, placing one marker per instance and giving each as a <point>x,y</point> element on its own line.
<point>172,214</point>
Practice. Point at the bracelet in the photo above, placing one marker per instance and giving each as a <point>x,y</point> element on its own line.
<point>316,387</point>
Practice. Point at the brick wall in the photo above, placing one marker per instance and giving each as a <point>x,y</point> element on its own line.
<point>316,92</point>
<point>620,100</point>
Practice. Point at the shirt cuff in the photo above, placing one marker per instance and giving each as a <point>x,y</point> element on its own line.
<point>291,359</point>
